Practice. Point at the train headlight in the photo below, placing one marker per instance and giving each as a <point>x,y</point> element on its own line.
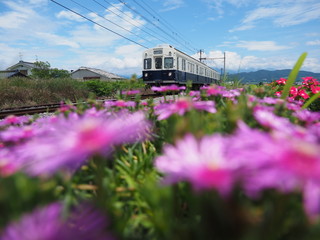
<point>170,74</point>
<point>146,75</point>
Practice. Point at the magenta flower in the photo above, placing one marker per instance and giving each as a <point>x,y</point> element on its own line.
<point>293,92</point>
<point>8,163</point>
<point>302,93</point>
<point>167,88</point>
<point>131,92</point>
<point>201,162</point>
<point>119,104</point>
<point>214,90</point>
<point>46,223</point>
<point>315,89</point>
<point>309,81</point>
<point>270,120</point>
<point>281,81</point>
<point>278,94</point>
<point>70,143</point>
<point>181,106</point>
<point>307,116</point>
<point>14,120</point>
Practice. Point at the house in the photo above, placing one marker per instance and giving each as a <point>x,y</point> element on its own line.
<point>86,73</point>
<point>22,67</point>
<point>11,73</point>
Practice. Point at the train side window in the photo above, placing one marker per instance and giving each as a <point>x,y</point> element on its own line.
<point>147,63</point>
<point>158,63</point>
<point>168,62</point>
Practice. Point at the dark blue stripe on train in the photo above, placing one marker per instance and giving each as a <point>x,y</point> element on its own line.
<point>174,76</point>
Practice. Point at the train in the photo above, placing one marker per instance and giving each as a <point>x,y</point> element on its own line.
<point>166,65</point>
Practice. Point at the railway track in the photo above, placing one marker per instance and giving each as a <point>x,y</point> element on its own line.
<point>47,108</point>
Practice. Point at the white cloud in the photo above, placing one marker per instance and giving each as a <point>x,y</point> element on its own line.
<point>70,16</point>
<point>281,13</point>
<point>57,40</point>
<point>172,4</point>
<point>313,43</point>
<point>260,45</point>
<point>237,63</point>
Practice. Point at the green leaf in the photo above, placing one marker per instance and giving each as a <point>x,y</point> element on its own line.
<point>311,100</point>
<point>293,75</point>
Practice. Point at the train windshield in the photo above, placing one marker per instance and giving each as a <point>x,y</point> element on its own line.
<point>147,63</point>
<point>158,62</point>
<point>168,62</point>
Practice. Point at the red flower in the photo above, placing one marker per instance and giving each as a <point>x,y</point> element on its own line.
<point>281,81</point>
<point>302,93</point>
<point>293,91</point>
<point>315,89</point>
<point>310,81</point>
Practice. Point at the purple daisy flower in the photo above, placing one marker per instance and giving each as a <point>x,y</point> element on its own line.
<point>84,223</point>
<point>202,162</point>
<point>181,106</point>
<point>69,143</point>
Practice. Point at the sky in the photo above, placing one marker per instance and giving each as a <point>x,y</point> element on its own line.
<point>112,35</point>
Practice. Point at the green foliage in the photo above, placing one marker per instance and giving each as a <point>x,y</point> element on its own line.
<point>293,75</point>
<point>15,92</point>
<point>43,71</point>
<point>111,88</point>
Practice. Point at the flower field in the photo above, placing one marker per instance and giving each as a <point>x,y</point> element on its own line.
<point>218,163</point>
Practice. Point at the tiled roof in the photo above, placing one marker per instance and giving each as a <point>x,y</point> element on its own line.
<point>101,72</point>
<point>26,64</point>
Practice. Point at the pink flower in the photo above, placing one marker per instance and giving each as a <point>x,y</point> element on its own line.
<point>281,81</point>
<point>181,106</point>
<point>315,89</point>
<point>167,88</point>
<point>293,91</point>
<point>131,92</point>
<point>47,223</point>
<point>308,81</point>
<point>14,120</point>
<point>278,94</point>
<point>302,93</point>
<point>119,104</point>
<point>214,90</point>
<point>70,143</point>
<point>201,162</point>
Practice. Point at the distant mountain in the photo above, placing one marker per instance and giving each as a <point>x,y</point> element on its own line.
<point>269,76</point>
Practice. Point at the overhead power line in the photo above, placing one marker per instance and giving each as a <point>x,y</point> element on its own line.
<point>167,23</point>
<point>94,22</point>
<point>154,36</point>
<point>106,19</point>
<point>163,31</point>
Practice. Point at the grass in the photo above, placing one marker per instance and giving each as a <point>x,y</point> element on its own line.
<point>17,92</point>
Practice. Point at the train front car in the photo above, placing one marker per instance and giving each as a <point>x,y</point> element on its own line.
<point>165,65</point>
<point>159,65</point>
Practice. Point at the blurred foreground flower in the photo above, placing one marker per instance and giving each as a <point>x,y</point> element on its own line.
<point>201,162</point>
<point>181,106</point>
<point>47,223</point>
<point>69,143</point>
<point>170,88</point>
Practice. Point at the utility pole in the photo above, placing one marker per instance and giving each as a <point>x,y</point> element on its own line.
<point>224,60</point>
<point>200,59</point>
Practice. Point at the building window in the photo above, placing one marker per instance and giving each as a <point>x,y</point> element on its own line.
<point>183,64</point>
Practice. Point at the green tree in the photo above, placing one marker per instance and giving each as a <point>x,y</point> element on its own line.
<point>43,71</point>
